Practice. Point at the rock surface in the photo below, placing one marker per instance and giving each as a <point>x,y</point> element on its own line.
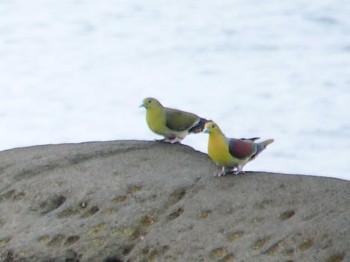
<point>147,201</point>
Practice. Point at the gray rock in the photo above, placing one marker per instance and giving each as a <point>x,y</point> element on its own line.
<point>147,201</point>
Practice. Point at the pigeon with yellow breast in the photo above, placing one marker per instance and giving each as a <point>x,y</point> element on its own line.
<point>173,124</point>
<point>231,154</point>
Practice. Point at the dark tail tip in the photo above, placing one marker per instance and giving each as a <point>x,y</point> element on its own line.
<point>200,126</point>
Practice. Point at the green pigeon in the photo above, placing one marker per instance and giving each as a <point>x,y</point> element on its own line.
<point>173,124</point>
<point>231,153</point>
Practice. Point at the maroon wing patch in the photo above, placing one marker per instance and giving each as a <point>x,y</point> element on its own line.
<point>241,149</point>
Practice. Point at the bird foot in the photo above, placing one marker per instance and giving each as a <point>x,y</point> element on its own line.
<point>224,173</point>
<point>169,141</point>
<point>220,173</point>
<point>238,172</point>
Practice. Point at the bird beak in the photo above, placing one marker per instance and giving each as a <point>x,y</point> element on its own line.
<point>206,130</point>
<point>142,105</point>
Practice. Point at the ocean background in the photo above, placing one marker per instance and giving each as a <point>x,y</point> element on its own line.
<point>74,71</point>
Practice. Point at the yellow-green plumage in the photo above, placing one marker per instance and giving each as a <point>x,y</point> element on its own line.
<point>171,123</point>
<point>155,117</point>
<point>218,149</point>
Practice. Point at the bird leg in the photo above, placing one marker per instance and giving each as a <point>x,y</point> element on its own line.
<point>224,171</point>
<point>238,171</point>
<point>175,140</point>
<point>169,140</point>
<point>220,173</point>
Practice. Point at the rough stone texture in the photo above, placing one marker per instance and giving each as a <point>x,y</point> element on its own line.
<point>147,201</point>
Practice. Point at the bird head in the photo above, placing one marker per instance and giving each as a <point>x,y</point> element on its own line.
<point>210,127</point>
<point>150,102</point>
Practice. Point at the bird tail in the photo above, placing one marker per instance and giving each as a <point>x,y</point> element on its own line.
<point>261,146</point>
<point>199,126</point>
<point>265,143</point>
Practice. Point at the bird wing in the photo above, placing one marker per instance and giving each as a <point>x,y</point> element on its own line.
<point>178,120</point>
<point>241,149</point>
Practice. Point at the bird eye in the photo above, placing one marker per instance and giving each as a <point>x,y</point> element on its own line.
<point>149,101</point>
<point>212,126</point>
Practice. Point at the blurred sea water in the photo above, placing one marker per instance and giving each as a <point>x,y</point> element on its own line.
<point>74,71</point>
